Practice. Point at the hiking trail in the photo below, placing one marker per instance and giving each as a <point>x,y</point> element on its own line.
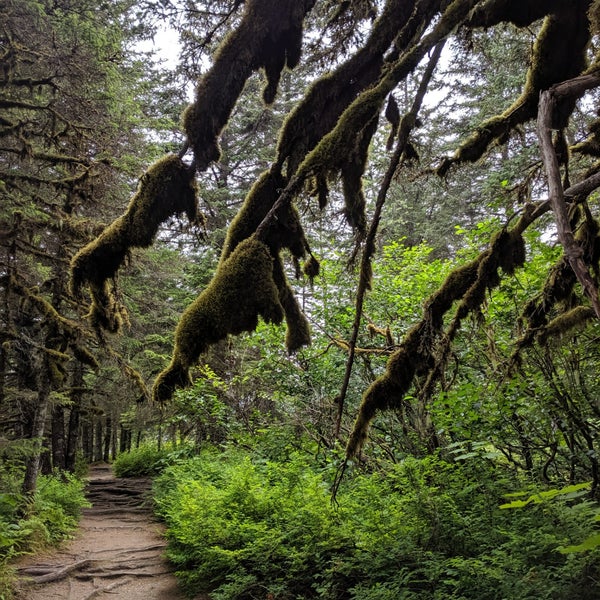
<point>117,552</point>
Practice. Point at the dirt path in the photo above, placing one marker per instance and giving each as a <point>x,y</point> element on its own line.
<point>118,551</point>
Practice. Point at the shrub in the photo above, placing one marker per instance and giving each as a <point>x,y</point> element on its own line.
<point>241,526</point>
<point>148,461</point>
<point>27,524</point>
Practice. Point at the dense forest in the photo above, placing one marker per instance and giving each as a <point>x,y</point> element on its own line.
<point>327,270</point>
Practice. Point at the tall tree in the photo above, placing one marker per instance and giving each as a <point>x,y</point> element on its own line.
<point>69,119</point>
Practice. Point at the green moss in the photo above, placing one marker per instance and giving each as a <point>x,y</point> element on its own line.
<point>241,290</point>
<point>165,190</point>
<point>285,231</point>
<point>565,323</point>
<point>417,353</point>
<point>559,53</point>
<point>594,16</point>
<point>311,268</point>
<point>345,150</point>
<point>269,36</point>
<point>298,330</point>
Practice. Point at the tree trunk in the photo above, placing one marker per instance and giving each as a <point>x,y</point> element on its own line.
<point>107,438</point>
<point>73,432</point>
<point>32,466</point>
<point>98,440</point>
<point>87,440</point>
<point>113,439</point>
<point>58,438</point>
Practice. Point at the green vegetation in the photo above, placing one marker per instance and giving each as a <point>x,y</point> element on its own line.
<point>260,524</point>
<point>424,426</point>
<point>30,523</point>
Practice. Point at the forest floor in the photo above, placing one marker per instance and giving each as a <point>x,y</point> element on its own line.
<point>118,551</point>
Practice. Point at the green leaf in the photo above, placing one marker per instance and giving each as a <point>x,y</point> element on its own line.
<point>588,544</point>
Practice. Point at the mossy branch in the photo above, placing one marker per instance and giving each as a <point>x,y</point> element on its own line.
<point>269,36</point>
<point>165,190</point>
<point>242,290</point>
<point>559,53</point>
<point>364,283</point>
<point>419,354</point>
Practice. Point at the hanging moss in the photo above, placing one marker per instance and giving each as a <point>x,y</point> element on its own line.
<point>311,268</point>
<point>329,96</point>
<point>351,172</point>
<point>241,290</point>
<point>565,323</point>
<point>269,36</point>
<point>392,114</point>
<point>559,287</point>
<point>298,330</point>
<point>519,12</point>
<point>559,53</point>
<point>345,150</point>
<point>591,145</point>
<point>416,355</point>
<point>165,190</point>
<point>594,16</point>
<point>285,231</point>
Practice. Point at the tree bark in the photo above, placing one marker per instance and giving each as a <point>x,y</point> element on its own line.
<point>32,467</point>
<point>58,438</point>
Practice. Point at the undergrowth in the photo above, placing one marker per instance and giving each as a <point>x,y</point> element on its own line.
<point>243,525</point>
<point>148,461</point>
<point>29,524</point>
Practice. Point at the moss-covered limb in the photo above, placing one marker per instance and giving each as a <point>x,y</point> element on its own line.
<point>565,323</point>
<point>241,290</point>
<point>420,353</point>
<point>519,12</point>
<point>298,330</point>
<point>330,155</point>
<point>506,253</point>
<point>285,229</point>
<point>268,36</point>
<point>67,333</point>
<point>413,357</point>
<point>329,96</point>
<point>559,53</point>
<point>558,293</point>
<point>166,189</point>
<point>405,126</point>
<point>591,145</point>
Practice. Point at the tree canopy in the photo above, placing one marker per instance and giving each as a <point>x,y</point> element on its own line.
<point>327,136</point>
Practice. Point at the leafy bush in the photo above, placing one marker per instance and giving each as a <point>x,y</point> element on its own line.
<point>147,460</point>
<point>243,527</point>
<point>27,524</point>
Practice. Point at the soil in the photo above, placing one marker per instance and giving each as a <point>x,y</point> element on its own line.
<point>118,551</point>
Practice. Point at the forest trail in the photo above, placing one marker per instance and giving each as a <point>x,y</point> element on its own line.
<point>118,551</point>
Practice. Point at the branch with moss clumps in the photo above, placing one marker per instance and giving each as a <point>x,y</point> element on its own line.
<point>559,53</point>
<point>165,190</point>
<point>241,291</point>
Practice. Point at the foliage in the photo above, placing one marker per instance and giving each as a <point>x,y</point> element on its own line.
<point>32,523</point>
<point>148,460</point>
<point>242,526</point>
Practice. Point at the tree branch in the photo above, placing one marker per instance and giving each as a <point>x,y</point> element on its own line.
<point>573,251</point>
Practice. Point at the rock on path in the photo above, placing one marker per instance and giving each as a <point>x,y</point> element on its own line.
<point>118,551</point>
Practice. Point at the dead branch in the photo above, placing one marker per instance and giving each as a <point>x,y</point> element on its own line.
<point>573,251</point>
